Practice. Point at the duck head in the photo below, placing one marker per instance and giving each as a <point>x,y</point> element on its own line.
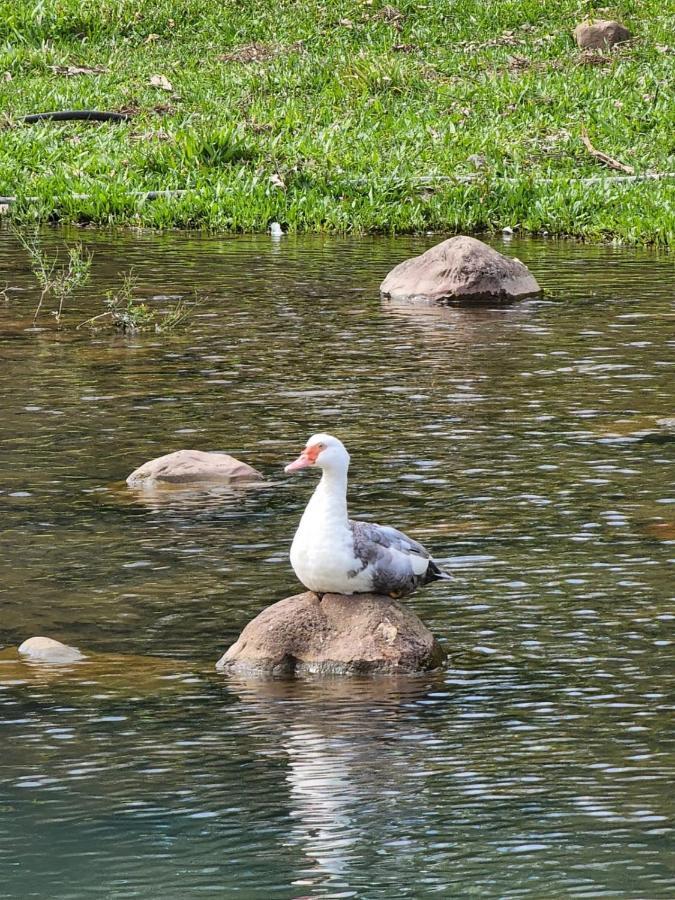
<point>322,451</point>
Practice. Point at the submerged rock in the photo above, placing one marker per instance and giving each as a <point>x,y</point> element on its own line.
<point>185,466</point>
<point>82,677</point>
<point>601,34</point>
<point>47,650</point>
<point>461,270</point>
<point>650,429</point>
<point>334,635</point>
<point>662,531</point>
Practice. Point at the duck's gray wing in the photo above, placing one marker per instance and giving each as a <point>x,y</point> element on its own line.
<point>396,563</point>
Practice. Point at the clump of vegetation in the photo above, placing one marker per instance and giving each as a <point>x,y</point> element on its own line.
<point>56,278</point>
<point>59,277</point>
<point>128,313</point>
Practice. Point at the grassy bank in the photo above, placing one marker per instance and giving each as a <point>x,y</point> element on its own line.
<point>339,115</point>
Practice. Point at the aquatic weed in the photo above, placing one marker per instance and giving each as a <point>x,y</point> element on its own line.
<point>55,278</point>
<point>128,313</point>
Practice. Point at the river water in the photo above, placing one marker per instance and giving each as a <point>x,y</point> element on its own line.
<point>522,445</point>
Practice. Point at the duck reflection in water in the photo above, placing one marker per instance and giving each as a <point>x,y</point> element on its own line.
<point>349,775</point>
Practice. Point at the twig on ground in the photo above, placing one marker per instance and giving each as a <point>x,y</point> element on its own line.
<point>603,158</point>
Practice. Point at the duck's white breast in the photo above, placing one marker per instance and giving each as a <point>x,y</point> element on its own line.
<point>323,559</point>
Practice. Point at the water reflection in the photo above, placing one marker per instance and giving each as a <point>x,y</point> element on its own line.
<point>188,497</point>
<point>341,767</point>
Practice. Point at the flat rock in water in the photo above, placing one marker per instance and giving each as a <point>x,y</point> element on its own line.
<point>47,650</point>
<point>78,674</point>
<point>334,635</point>
<point>650,429</point>
<point>462,271</point>
<point>189,466</point>
<point>601,34</point>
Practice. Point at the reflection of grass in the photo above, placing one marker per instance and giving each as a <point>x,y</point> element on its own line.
<point>327,116</point>
<point>128,313</point>
<point>55,279</point>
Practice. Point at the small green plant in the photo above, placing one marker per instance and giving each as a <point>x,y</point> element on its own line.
<point>56,279</point>
<point>125,312</point>
<point>128,313</point>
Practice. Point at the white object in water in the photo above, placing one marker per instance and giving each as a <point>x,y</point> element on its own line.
<point>276,231</point>
<point>47,650</point>
<point>332,553</point>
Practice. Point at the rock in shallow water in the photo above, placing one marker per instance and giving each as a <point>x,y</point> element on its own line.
<point>47,650</point>
<point>186,466</point>
<point>334,635</point>
<point>463,271</point>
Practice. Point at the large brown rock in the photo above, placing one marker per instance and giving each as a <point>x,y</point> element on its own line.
<point>334,635</point>
<point>463,271</point>
<point>188,466</point>
<point>601,34</point>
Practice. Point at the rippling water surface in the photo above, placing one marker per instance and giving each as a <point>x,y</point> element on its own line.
<point>522,445</point>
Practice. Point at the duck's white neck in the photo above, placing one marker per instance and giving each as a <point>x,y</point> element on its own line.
<point>329,501</point>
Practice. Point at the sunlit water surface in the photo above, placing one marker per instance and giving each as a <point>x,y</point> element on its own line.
<point>522,445</point>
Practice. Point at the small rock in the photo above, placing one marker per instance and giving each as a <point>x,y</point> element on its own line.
<point>463,271</point>
<point>47,650</point>
<point>185,466</point>
<point>601,34</point>
<point>334,635</point>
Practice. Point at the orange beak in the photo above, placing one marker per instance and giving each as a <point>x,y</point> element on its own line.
<point>307,458</point>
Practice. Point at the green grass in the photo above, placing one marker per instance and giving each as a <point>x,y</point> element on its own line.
<point>350,109</point>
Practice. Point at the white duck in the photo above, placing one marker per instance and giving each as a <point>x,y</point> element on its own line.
<point>332,553</point>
